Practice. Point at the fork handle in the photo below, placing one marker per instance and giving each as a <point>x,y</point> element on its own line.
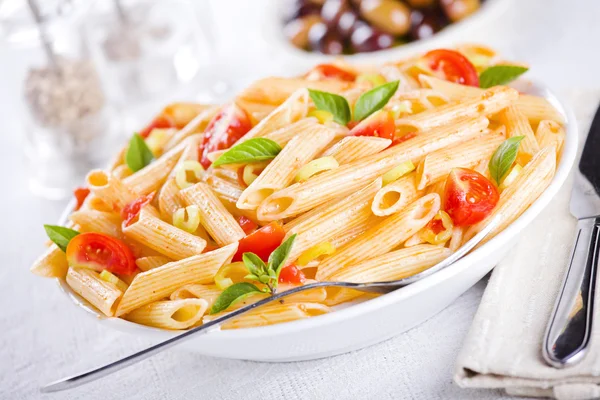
<point>569,329</point>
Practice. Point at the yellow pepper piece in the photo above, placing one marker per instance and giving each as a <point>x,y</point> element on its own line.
<point>374,79</point>
<point>112,278</point>
<point>315,166</point>
<point>398,172</point>
<point>510,178</point>
<point>318,250</point>
<point>323,116</point>
<point>229,274</point>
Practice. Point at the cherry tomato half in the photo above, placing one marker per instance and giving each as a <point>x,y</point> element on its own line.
<point>291,274</point>
<point>131,210</point>
<point>261,242</point>
<point>330,71</point>
<point>80,194</point>
<point>247,224</point>
<point>452,66</point>
<point>469,197</point>
<point>226,128</point>
<point>100,252</point>
<point>379,124</point>
<point>159,122</point>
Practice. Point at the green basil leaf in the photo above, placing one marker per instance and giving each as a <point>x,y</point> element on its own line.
<point>500,75</point>
<point>138,154</point>
<point>374,100</point>
<point>255,265</point>
<point>233,294</point>
<point>252,150</point>
<point>504,157</point>
<point>280,254</point>
<point>60,235</point>
<point>334,103</point>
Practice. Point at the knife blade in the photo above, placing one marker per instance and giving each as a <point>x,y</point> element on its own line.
<point>569,330</point>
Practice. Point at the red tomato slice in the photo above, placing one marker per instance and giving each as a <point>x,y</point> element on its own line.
<point>401,139</point>
<point>330,71</point>
<point>131,210</point>
<point>379,124</point>
<point>226,128</point>
<point>469,197</point>
<point>291,274</point>
<point>100,252</point>
<point>452,66</point>
<point>247,224</point>
<point>261,242</point>
<point>80,194</point>
<point>159,122</point>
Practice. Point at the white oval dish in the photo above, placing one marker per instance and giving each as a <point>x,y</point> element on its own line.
<point>366,323</point>
<point>273,35</point>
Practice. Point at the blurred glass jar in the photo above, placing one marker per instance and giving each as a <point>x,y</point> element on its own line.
<point>69,128</point>
<point>144,49</point>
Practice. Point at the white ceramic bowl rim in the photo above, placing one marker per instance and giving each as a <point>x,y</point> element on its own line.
<point>564,166</point>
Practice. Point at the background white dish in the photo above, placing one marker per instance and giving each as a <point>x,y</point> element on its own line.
<point>490,10</point>
<point>372,321</point>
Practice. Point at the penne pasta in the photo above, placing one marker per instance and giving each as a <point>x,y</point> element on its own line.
<point>515,199</point>
<point>110,189</point>
<point>534,108</point>
<point>219,222</point>
<point>99,293</point>
<point>346,179</point>
<point>550,133</point>
<point>382,237</point>
<point>98,221</point>
<point>282,170</point>
<point>333,220</point>
<point>517,125</point>
<point>489,102</point>
<point>353,148</point>
<point>393,197</point>
<point>170,314</point>
<point>51,264</point>
<point>437,165</point>
<point>150,262</point>
<point>209,293</point>
<point>273,314</point>
<point>166,239</point>
<point>158,283</point>
<point>394,265</point>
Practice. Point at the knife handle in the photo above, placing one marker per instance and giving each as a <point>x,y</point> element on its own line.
<point>570,326</point>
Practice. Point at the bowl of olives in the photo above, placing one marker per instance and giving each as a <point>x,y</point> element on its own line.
<point>350,27</point>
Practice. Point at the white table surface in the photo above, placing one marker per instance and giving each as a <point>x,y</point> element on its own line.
<point>43,337</point>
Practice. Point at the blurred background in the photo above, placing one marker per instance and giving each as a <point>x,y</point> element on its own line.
<point>78,77</point>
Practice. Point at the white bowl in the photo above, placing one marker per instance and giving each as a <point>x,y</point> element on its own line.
<point>273,35</point>
<point>363,324</point>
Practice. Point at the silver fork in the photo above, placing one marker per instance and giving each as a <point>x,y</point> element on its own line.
<point>372,287</point>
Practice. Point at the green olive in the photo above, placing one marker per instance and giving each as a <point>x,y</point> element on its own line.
<point>389,16</point>
<point>296,31</point>
<point>458,9</point>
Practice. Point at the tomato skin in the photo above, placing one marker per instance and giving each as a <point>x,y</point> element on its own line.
<point>226,128</point>
<point>330,71</point>
<point>261,242</point>
<point>401,139</point>
<point>80,194</point>
<point>291,274</point>
<point>100,252</point>
<point>131,210</point>
<point>452,66</point>
<point>469,197</point>
<point>161,122</point>
<point>379,124</point>
<point>247,224</point>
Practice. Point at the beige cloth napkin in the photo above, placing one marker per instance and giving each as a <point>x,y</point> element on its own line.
<point>503,347</point>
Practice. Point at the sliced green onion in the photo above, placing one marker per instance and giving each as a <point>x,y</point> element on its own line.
<point>187,219</point>
<point>398,172</point>
<point>314,167</point>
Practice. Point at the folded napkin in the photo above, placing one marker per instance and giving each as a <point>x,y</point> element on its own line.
<point>503,347</point>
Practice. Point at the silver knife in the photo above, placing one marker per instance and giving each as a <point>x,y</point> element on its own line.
<point>569,330</point>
